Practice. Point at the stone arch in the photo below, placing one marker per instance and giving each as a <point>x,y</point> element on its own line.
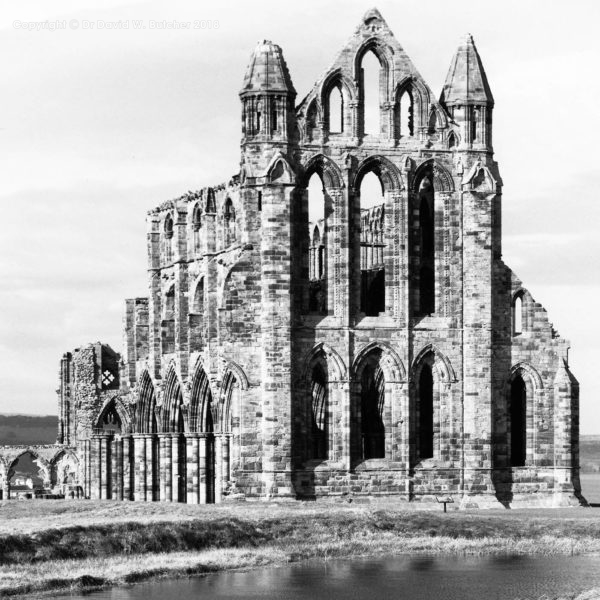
<point>325,168</point>
<point>529,372</point>
<point>313,118</point>
<point>442,363</point>
<point>382,51</point>
<point>336,369</point>
<point>420,98</point>
<point>238,373</point>
<point>279,170</point>
<point>119,407</point>
<point>174,417</point>
<point>43,464</point>
<point>387,173</point>
<point>338,79</point>
<point>441,178</point>
<point>145,417</point>
<point>392,364</point>
<point>201,410</point>
<point>62,460</point>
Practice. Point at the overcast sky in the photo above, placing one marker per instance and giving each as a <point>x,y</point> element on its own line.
<point>99,125</point>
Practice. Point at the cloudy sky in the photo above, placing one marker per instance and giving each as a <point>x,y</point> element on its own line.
<point>98,125</point>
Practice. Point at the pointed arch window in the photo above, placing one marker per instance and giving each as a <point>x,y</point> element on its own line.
<point>518,422</point>
<point>404,114</point>
<point>317,246</point>
<point>335,110</point>
<point>319,414</point>
<point>452,140</point>
<point>196,331</point>
<point>110,421</point>
<point>370,93</point>
<point>197,227</point>
<point>168,239</point>
<point>372,245</point>
<point>426,239</point>
<point>372,406</point>
<point>518,314</point>
<point>425,413</point>
<point>168,322</point>
<point>229,224</point>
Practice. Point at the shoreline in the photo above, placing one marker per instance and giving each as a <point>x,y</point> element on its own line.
<point>90,553</point>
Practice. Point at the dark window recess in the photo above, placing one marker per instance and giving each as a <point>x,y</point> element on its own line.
<point>426,272</point>
<point>372,300</point>
<point>518,422</point>
<point>319,428</point>
<point>425,433</point>
<point>317,297</point>
<point>372,398</point>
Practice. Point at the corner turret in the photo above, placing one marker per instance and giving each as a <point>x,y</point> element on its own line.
<point>467,96</point>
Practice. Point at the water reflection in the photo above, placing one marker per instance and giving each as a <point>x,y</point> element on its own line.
<point>398,578</point>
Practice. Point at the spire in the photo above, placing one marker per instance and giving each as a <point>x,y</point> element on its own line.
<point>267,71</point>
<point>466,82</point>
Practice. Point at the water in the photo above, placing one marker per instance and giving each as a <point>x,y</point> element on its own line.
<point>397,578</point>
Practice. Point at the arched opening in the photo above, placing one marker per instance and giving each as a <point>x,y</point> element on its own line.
<point>168,239</point>
<point>371,409</point>
<point>274,115</point>
<point>425,413</point>
<point>432,124</point>
<point>145,417</point>
<point>335,115</point>
<point>168,323</point>
<point>370,93</point>
<point>27,477</point>
<point>319,414</point>
<point>197,318</point>
<point>452,141</point>
<point>312,121</point>
<point>372,245</point>
<point>518,314</point>
<point>474,124</point>
<point>173,422</point>
<point>404,114</point>
<point>229,226</point>
<point>317,253</point>
<point>518,422</point>
<point>426,240</point>
<point>196,227</point>
<point>109,421</point>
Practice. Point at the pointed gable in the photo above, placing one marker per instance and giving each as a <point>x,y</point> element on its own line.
<point>466,82</point>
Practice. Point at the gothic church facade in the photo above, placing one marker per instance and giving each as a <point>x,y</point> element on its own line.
<point>292,351</point>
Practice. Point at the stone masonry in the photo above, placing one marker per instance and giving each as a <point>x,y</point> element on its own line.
<point>375,350</point>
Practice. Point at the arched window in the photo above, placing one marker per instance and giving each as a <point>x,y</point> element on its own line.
<point>518,422</point>
<point>317,252</point>
<point>168,238</point>
<point>319,414</point>
<point>452,141</point>
<point>109,421</point>
<point>432,125</point>
<point>371,409</point>
<point>197,318</point>
<point>372,245</point>
<point>518,314</point>
<point>274,115</point>
<point>474,124</point>
<point>336,110</point>
<point>370,93</point>
<point>229,226</point>
<point>312,121</point>
<point>168,323</point>
<point>426,248</point>
<point>196,227</point>
<point>404,111</point>
<point>425,413</point>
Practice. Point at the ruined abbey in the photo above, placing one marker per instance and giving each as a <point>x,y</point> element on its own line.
<point>300,344</point>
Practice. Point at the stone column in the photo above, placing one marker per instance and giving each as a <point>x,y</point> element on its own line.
<point>192,468</point>
<point>126,466</point>
<point>139,467</point>
<point>175,475</point>
<point>148,441</point>
<point>168,471</point>
<point>218,467</point>
<point>202,461</point>
<point>162,443</point>
<point>115,467</point>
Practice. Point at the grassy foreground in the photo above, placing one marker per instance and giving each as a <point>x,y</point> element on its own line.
<point>61,545</point>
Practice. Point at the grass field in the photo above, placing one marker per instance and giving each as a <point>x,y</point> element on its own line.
<point>52,545</point>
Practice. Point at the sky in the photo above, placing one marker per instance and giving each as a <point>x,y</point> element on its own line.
<point>107,118</point>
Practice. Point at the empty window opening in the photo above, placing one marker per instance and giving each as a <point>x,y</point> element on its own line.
<point>474,124</point>
<point>432,125</point>
<point>312,122</point>
<point>336,110</point>
<point>427,248</point>
<point>229,226</point>
<point>197,318</point>
<point>274,115</point>
<point>518,422</point>
<point>372,403</point>
<point>317,249</point>
<point>372,245</point>
<point>196,227</point>
<point>168,238</point>
<point>370,77</point>
<point>425,413</point>
<point>405,114</point>
<point>110,422</point>
<point>168,323</point>
<point>319,428</point>
<point>452,142</point>
<point>518,315</point>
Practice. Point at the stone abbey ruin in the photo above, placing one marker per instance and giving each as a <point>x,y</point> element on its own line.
<point>305,345</point>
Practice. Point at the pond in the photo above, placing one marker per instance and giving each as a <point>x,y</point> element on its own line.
<point>404,577</point>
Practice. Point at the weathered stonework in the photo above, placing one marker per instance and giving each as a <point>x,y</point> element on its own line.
<point>380,351</point>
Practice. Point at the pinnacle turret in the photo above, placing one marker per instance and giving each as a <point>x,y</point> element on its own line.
<point>466,82</point>
<point>267,71</point>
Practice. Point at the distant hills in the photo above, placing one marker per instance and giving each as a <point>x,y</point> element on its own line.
<point>33,429</point>
<point>18,430</point>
